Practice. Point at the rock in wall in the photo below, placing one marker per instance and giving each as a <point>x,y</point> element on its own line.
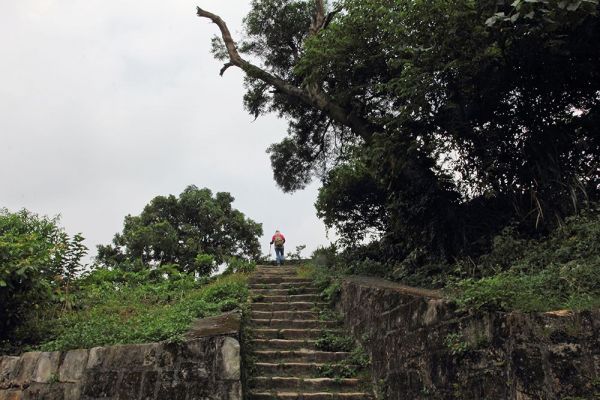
<point>200,368</point>
<point>423,348</point>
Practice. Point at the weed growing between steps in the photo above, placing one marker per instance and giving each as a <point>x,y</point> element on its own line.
<point>257,298</point>
<point>332,341</point>
<point>138,311</point>
<point>355,366</point>
<point>327,314</point>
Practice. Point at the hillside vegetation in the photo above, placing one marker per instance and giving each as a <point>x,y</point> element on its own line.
<point>558,271</point>
<point>148,286</point>
<point>118,308</point>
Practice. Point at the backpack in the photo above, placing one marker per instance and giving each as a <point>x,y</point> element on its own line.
<point>278,241</point>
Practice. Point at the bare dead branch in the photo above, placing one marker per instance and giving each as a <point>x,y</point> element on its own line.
<point>312,95</point>
<point>227,65</point>
<point>330,17</point>
<point>234,56</point>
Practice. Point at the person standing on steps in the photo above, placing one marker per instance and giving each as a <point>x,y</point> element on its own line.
<point>278,239</point>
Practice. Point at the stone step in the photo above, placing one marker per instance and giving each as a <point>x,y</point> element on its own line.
<point>275,275</point>
<point>271,333</point>
<point>300,369</point>
<point>312,356</point>
<point>275,268</point>
<point>290,299</point>
<point>286,306</point>
<point>277,279</point>
<point>305,384</point>
<point>283,344</point>
<point>296,284</point>
<point>284,314</point>
<point>293,323</point>
<point>284,291</point>
<point>258,395</point>
<point>288,272</point>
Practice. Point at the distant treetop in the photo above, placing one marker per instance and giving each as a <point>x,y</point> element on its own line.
<point>196,231</point>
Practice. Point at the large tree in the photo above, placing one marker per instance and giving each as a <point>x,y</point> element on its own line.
<point>189,230</point>
<point>433,122</point>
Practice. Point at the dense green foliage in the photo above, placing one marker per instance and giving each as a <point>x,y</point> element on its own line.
<point>116,307</point>
<point>479,121</point>
<point>38,263</point>
<point>195,231</point>
<point>559,271</point>
<point>463,117</point>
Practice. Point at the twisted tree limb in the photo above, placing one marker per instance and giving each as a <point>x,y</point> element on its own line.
<point>312,95</point>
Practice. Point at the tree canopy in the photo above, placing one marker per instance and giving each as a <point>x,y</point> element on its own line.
<point>196,231</point>
<point>433,123</point>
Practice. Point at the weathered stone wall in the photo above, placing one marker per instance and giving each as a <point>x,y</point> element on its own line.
<point>198,368</point>
<point>423,348</point>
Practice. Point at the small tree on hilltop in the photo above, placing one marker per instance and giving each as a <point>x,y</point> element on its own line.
<point>196,231</point>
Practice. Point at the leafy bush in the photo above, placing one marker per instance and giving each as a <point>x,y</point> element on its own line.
<point>237,264</point>
<point>38,262</point>
<point>456,344</point>
<point>326,280</point>
<point>362,259</point>
<point>306,271</point>
<point>325,256</point>
<point>203,262</point>
<point>297,254</point>
<point>332,292</point>
<point>350,367</point>
<point>368,267</point>
<point>359,357</point>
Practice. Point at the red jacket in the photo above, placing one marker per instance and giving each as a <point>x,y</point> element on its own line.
<point>276,235</point>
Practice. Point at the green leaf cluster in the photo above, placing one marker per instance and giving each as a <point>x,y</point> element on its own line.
<point>237,265</point>
<point>38,262</point>
<point>548,15</point>
<point>333,341</point>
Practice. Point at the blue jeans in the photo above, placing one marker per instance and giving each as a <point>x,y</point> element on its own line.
<point>279,255</point>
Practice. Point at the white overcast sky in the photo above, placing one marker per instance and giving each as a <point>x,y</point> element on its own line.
<point>106,104</point>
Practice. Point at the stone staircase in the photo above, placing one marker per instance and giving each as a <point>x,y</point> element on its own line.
<point>284,326</point>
